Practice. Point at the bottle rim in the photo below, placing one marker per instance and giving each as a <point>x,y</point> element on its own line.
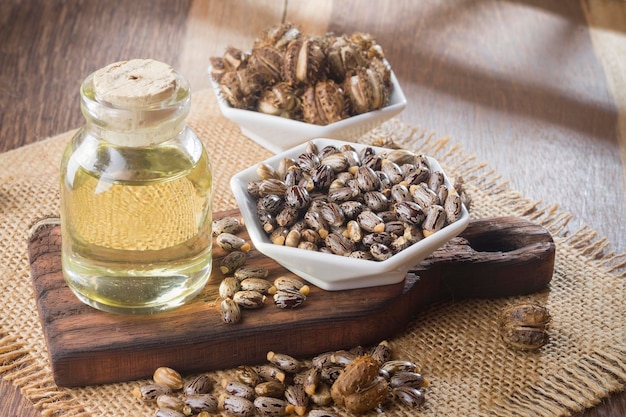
<point>137,126</point>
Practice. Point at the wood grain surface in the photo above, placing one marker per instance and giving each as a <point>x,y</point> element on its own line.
<point>535,88</point>
<point>493,257</point>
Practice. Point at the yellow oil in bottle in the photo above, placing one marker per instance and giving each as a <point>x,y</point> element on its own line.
<point>137,229</point>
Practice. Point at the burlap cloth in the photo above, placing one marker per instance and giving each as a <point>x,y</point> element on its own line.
<point>456,344</point>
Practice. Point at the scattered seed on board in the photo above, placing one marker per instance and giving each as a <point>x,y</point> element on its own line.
<point>230,242</point>
<point>249,299</point>
<point>229,287</point>
<point>230,311</point>
<point>251,271</point>
<point>288,299</point>
<point>286,283</point>
<point>524,326</point>
<point>256,284</point>
<point>226,225</point>
<point>232,261</point>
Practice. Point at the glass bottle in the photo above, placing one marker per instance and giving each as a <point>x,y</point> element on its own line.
<point>136,191</point>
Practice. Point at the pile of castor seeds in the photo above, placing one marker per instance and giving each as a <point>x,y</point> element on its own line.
<point>357,380</point>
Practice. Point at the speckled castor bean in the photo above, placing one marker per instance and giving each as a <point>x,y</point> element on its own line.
<point>150,392</point>
<point>168,377</point>
<point>201,384</point>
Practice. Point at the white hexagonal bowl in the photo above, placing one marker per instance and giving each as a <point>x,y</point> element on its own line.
<point>279,134</point>
<point>328,271</point>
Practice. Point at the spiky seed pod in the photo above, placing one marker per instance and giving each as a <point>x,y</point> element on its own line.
<point>384,69</point>
<point>343,56</point>
<point>218,68</point>
<point>365,89</point>
<point>304,61</point>
<point>367,43</point>
<point>267,63</point>
<point>323,103</point>
<point>240,88</point>
<point>278,36</point>
<point>280,100</point>
<point>235,58</point>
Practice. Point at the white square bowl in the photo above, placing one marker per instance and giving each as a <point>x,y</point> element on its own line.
<point>328,271</point>
<point>278,134</point>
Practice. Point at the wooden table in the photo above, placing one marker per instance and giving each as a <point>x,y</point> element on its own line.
<point>535,88</point>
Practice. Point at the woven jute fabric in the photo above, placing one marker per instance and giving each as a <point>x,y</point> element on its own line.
<point>456,344</point>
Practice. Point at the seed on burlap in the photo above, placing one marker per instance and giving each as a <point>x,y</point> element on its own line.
<point>201,402</point>
<point>168,412</point>
<point>201,384</point>
<point>150,392</point>
<point>168,377</point>
<point>285,362</point>
<point>238,389</point>
<point>237,406</point>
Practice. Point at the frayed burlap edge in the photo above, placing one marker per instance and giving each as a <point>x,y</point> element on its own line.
<point>35,381</point>
<point>595,377</point>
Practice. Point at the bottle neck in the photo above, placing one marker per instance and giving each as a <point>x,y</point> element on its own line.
<point>133,126</point>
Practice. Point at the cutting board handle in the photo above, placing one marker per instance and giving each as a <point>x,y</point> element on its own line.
<point>493,257</point>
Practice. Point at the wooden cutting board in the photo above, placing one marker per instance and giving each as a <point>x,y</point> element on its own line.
<point>492,258</point>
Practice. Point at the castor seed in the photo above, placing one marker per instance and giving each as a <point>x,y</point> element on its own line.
<point>201,384</point>
<point>168,377</point>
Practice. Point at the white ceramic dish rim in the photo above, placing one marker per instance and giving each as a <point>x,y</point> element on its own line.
<point>397,102</point>
<point>352,269</point>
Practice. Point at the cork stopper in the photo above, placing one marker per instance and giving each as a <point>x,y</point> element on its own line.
<point>138,83</point>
